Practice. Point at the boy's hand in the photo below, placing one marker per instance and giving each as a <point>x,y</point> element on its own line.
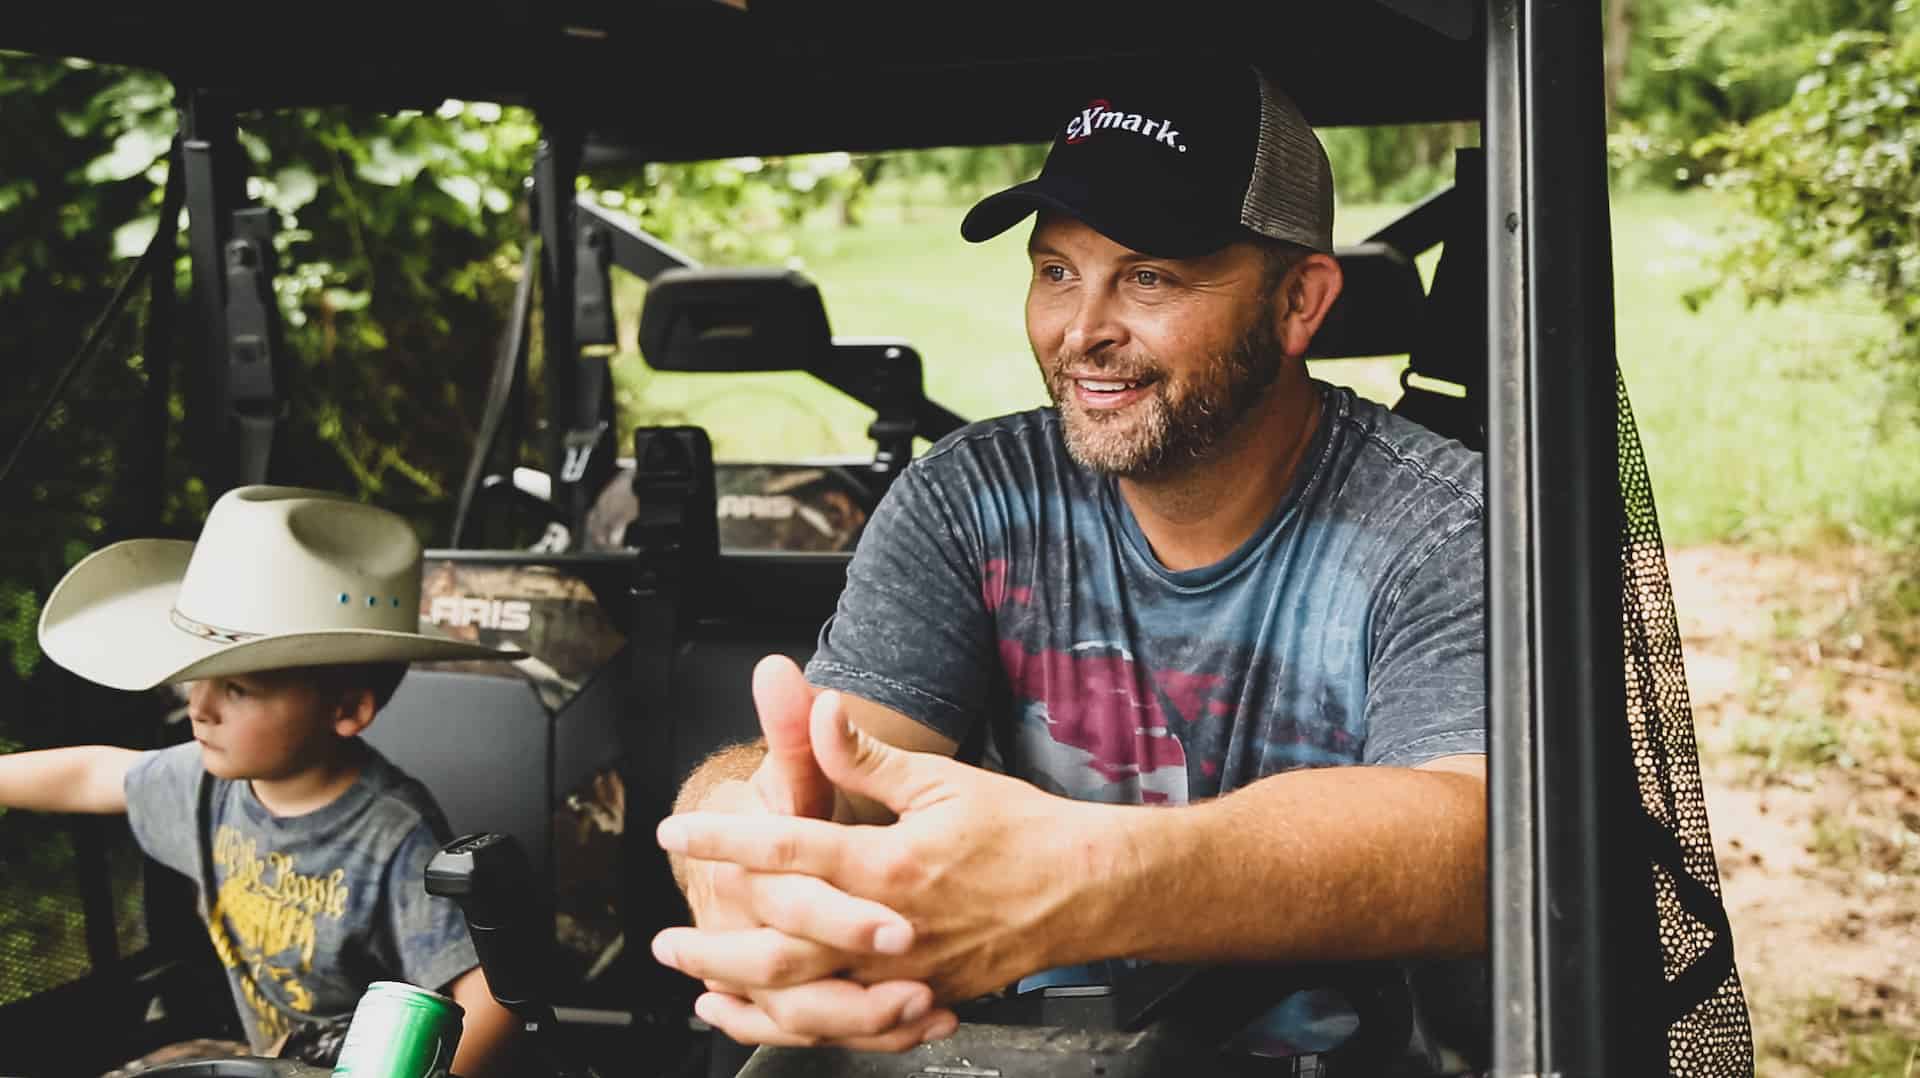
<point>488,1030</point>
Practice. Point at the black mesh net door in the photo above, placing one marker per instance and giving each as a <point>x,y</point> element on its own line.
<point>1700,1002</point>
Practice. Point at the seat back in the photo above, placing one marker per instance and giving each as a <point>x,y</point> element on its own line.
<point>633,678</point>
<point>441,725</point>
<point>1378,311</point>
<point>1445,387</point>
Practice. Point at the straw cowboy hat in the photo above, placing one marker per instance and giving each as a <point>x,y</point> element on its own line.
<point>280,577</point>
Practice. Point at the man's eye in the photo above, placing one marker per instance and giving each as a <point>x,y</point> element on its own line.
<point>1146,278</point>
<point>1055,274</point>
<point>234,688</point>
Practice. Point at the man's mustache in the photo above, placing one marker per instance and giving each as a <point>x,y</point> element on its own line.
<point>1118,370</point>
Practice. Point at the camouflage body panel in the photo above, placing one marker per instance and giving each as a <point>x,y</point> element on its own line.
<point>555,616</point>
<point>760,507</point>
<point>547,611</point>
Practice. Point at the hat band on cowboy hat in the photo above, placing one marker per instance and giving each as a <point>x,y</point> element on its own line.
<point>280,577</point>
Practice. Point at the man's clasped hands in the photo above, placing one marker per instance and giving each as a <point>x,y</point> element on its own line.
<point>811,928</point>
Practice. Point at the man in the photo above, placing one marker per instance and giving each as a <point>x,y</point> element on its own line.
<point>1174,601</point>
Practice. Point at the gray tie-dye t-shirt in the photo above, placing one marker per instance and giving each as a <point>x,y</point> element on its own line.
<point>306,911</point>
<point>999,582</point>
<point>1000,578</point>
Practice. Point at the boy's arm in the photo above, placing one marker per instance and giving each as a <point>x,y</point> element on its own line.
<point>486,1049</point>
<point>83,778</point>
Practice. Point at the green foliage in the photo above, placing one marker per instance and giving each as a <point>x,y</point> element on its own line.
<point>1394,164</point>
<point>1855,1038</point>
<point>1693,67</point>
<point>732,211</point>
<point>1831,181</point>
<point>746,209</point>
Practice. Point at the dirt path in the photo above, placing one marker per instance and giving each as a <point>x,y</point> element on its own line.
<point>1808,742</point>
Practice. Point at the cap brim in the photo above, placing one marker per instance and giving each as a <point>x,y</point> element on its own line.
<point>1159,236</point>
<point>110,621</point>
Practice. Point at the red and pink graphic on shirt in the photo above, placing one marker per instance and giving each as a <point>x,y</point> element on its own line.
<point>1119,723</point>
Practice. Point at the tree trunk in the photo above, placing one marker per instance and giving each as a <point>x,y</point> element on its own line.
<point>1619,39</point>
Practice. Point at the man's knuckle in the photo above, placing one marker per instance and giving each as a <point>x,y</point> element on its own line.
<point>780,1009</point>
<point>899,870</point>
<point>778,905</point>
<point>779,965</point>
<point>787,1012</point>
<point>783,853</point>
<point>873,1023</point>
<point>891,1041</point>
<point>692,962</point>
<point>728,879</point>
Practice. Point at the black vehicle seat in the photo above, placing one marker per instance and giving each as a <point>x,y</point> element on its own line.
<point>1378,312</point>
<point>641,666</point>
<point>441,725</point>
<point>1452,346</point>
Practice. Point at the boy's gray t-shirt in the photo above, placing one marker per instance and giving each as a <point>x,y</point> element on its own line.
<point>306,911</point>
<point>1000,578</point>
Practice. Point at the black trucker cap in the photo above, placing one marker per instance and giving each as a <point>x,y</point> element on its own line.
<point>1177,164</point>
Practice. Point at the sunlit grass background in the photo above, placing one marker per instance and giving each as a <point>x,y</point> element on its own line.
<point>1759,422</point>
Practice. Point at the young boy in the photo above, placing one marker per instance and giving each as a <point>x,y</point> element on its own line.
<point>290,622</point>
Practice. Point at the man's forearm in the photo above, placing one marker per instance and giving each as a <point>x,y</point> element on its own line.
<point>1329,864</point>
<point>734,763</point>
<point>83,778</point>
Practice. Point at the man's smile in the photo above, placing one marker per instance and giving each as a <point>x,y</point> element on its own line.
<point>1108,391</point>
<point>1107,395</point>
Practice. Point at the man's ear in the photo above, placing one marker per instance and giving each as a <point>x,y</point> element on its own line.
<point>353,712</point>
<point>1306,295</point>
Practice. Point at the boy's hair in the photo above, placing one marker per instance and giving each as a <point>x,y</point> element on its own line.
<point>335,681</point>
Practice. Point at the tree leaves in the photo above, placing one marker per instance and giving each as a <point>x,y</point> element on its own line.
<point>1831,180</point>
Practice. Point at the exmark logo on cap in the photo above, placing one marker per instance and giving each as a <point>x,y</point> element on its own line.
<point>1100,115</point>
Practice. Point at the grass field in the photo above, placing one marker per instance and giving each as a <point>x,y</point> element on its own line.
<point>1758,423</point>
<point>959,304</point>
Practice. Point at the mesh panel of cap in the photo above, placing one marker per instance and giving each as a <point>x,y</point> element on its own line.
<point>1710,1037</point>
<point>1290,195</point>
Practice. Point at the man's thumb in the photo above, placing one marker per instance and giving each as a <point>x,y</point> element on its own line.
<point>859,763</point>
<point>789,780</point>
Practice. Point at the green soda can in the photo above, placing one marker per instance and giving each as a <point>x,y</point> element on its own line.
<point>400,1031</point>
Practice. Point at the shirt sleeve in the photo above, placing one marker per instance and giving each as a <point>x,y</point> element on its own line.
<point>1427,687</point>
<point>912,631</point>
<point>163,799</point>
<point>429,932</point>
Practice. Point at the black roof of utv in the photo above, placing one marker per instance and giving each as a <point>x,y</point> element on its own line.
<point>692,79</point>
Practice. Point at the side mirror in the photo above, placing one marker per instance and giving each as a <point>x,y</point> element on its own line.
<point>733,320</point>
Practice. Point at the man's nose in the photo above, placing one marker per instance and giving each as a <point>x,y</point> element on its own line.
<point>1095,327</point>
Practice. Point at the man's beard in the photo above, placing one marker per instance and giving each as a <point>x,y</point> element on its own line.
<point>1180,422</point>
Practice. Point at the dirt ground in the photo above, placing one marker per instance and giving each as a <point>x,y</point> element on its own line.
<point>1806,715</point>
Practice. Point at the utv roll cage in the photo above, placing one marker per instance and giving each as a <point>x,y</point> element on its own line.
<point>1610,954</point>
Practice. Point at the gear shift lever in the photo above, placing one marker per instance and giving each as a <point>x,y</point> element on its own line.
<point>488,875</point>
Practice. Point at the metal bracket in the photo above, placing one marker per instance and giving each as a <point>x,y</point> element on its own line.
<point>579,446</point>
<point>593,287</point>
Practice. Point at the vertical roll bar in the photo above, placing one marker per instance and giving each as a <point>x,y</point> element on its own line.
<point>1573,932</point>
